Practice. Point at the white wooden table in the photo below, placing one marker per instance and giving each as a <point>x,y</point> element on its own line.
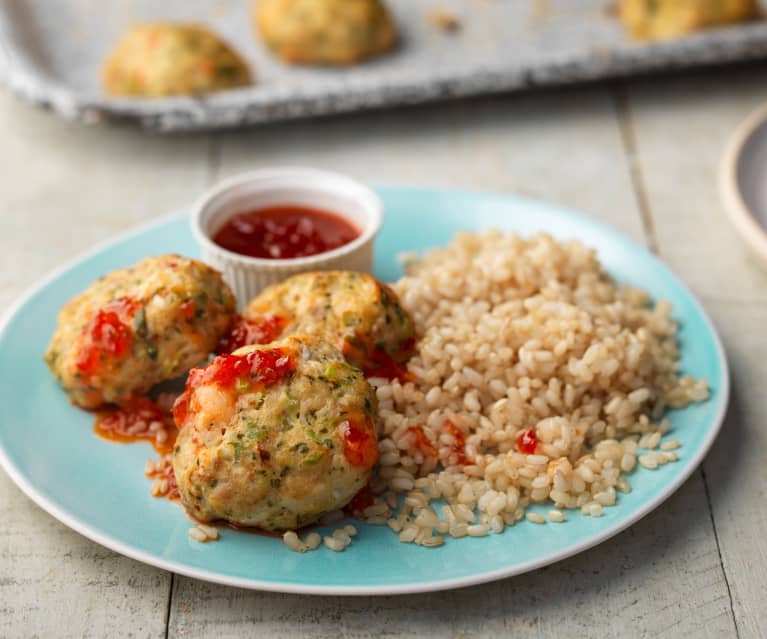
<point>641,155</point>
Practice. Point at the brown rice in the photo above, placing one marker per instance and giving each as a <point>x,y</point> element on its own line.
<point>518,334</point>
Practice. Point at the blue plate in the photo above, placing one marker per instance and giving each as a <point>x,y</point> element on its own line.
<point>98,488</point>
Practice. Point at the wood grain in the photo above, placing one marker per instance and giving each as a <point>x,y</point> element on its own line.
<point>682,127</point>
<point>560,146</point>
<point>66,187</point>
<point>55,583</point>
<point>661,578</point>
<point>62,188</point>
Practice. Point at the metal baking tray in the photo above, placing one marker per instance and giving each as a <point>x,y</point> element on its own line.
<point>51,52</point>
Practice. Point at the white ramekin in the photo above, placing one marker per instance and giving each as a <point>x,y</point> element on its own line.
<point>265,188</point>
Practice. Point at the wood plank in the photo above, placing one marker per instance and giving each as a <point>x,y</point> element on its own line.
<point>661,578</point>
<point>682,127</point>
<point>554,146</point>
<point>65,187</point>
<point>56,583</point>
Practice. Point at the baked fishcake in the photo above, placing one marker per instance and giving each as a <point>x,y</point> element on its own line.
<point>353,311</point>
<point>325,31</point>
<point>275,435</point>
<point>666,19</point>
<point>167,59</point>
<point>138,326</point>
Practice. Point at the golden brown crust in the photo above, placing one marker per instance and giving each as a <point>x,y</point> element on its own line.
<point>335,32</point>
<point>353,311</point>
<point>275,456</point>
<point>668,19</point>
<point>166,59</point>
<point>167,312</point>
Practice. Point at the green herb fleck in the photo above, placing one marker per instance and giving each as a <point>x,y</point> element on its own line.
<point>228,72</point>
<point>313,459</point>
<point>291,411</point>
<point>256,433</point>
<point>142,330</point>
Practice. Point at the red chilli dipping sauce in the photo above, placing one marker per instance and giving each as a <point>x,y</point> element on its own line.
<point>284,232</point>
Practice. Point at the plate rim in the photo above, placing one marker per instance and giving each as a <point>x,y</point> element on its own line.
<point>690,466</point>
<point>740,214</point>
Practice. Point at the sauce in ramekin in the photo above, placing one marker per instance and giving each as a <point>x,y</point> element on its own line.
<point>285,232</point>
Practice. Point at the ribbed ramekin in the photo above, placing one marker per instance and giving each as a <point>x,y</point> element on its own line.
<point>265,188</point>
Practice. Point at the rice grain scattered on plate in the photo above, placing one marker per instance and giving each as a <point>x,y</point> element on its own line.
<point>536,379</point>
